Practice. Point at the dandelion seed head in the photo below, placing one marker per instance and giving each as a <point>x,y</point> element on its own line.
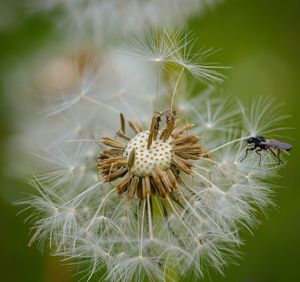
<point>151,162</point>
<point>137,183</point>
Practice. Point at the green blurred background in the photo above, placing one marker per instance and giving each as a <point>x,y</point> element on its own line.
<point>261,40</point>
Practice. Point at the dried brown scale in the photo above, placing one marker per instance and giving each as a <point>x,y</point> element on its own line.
<point>161,177</point>
<point>102,156</point>
<point>123,123</point>
<point>187,147</point>
<point>144,195</point>
<point>146,186</point>
<point>116,174</point>
<point>131,158</point>
<point>108,177</point>
<point>112,143</point>
<point>165,179</point>
<point>158,183</point>
<point>156,125</point>
<point>122,184</point>
<point>178,162</point>
<point>172,179</point>
<point>186,139</point>
<point>193,152</point>
<point>177,122</point>
<point>113,152</point>
<point>154,189</point>
<point>170,120</point>
<point>178,132</point>
<point>121,134</point>
<point>163,134</point>
<point>150,165</point>
<point>154,128</point>
<point>140,189</point>
<point>135,127</point>
<point>176,172</point>
<point>188,156</point>
<point>114,160</point>
<point>109,167</point>
<point>106,168</point>
<point>133,186</point>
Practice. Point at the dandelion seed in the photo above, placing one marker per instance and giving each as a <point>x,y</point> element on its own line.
<point>174,49</point>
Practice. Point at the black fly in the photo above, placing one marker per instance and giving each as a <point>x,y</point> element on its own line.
<point>260,143</point>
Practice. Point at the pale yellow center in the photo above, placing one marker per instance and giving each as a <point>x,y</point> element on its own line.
<point>159,154</point>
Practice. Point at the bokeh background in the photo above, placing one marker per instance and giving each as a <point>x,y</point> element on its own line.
<point>260,39</point>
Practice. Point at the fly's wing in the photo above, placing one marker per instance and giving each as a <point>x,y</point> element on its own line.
<point>272,143</point>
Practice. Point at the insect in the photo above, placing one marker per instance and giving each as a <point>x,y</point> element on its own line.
<point>260,143</point>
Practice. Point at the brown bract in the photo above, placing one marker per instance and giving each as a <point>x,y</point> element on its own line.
<point>150,163</point>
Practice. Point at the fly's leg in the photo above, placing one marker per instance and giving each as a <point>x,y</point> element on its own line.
<point>258,151</point>
<point>247,150</point>
<point>276,155</point>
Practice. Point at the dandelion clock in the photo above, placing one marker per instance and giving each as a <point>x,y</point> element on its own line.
<point>154,185</point>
